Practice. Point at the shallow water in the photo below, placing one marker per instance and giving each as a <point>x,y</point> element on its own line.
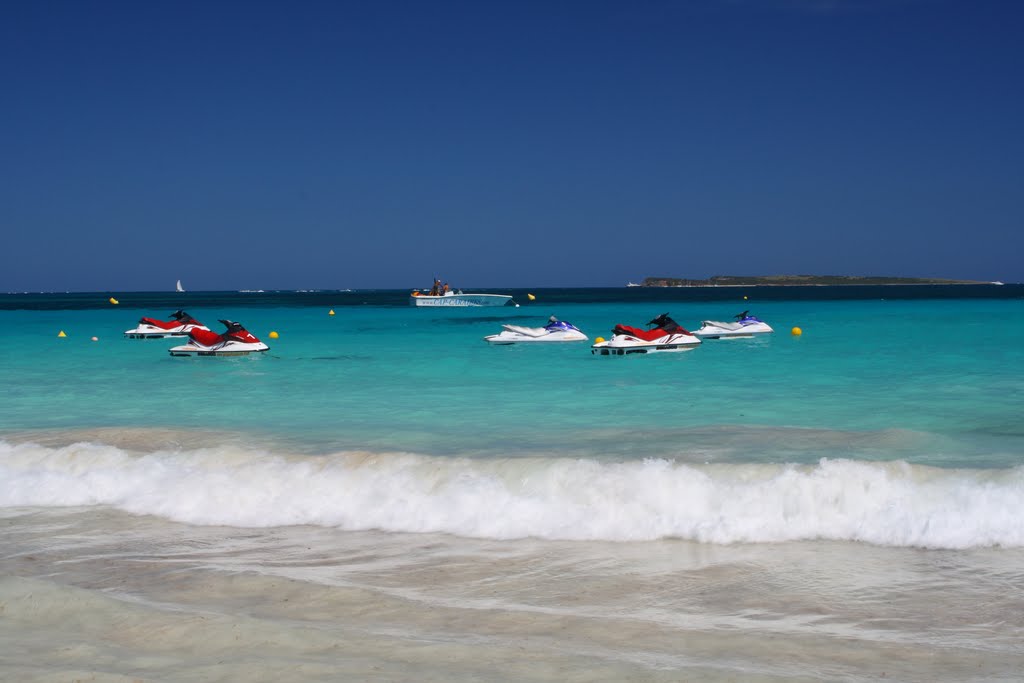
<point>383,496</point>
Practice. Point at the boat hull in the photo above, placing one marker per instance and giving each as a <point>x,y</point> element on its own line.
<point>463,300</point>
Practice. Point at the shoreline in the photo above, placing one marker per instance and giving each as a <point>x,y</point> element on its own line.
<point>404,291</point>
<point>830,284</point>
<point>805,281</point>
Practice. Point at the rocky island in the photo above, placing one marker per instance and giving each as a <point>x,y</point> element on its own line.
<point>799,280</point>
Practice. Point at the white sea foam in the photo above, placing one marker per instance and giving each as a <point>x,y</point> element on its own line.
<point>881,503</point>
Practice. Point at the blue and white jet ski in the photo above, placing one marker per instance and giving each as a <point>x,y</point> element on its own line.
<point>745,325</point>
<point>555,331</point>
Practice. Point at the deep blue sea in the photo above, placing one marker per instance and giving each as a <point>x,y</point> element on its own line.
<point>857,488</point>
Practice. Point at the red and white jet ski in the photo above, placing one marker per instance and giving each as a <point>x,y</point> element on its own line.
<point>666,335</point>
<point>235,341</point>
<point>180,324</point>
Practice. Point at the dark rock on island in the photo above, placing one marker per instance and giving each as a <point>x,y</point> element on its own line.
<point>799,280</point>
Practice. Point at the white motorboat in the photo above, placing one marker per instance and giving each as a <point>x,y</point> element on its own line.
<point>666,335</point>
<point>235,341</point>
<point>555,331</point>
<point>745,325</point>
<point>458,299</point>
<point>180,324</point>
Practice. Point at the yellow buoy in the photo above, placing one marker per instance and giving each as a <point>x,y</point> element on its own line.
<point>62,334</point>
<point>599,340</point>
<point>273,334</point>
<point>796,331</point>
<point>114,301</point>
<point>531,297</point>
<point>330,312</point>
<point>744,298</point>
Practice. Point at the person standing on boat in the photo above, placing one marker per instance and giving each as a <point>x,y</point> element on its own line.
<point>444,292</point>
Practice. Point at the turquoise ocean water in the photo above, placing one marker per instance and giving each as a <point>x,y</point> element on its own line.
<point>890,428</point>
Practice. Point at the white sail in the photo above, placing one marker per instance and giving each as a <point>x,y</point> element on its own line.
<point>179,288</point>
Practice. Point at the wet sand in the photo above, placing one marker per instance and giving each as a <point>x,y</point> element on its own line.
<point>92,593</point>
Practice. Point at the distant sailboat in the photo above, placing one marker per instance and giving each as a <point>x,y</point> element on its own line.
<point>179,288</point>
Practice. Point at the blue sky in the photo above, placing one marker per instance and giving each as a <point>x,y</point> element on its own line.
<point>377,144</point>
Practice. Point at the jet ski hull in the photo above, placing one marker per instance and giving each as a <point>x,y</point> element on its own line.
<point>514,334</point>
<point>228,349</point>
<point>152,332</point>
<point>134,334</point>
<point>713,329</point>
<point>623,345</point>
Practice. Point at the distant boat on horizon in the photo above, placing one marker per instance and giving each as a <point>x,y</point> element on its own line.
<point>632,284</point>
<point>178,287</point>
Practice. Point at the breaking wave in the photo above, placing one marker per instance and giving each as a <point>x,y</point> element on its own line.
<point>892,503</point>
